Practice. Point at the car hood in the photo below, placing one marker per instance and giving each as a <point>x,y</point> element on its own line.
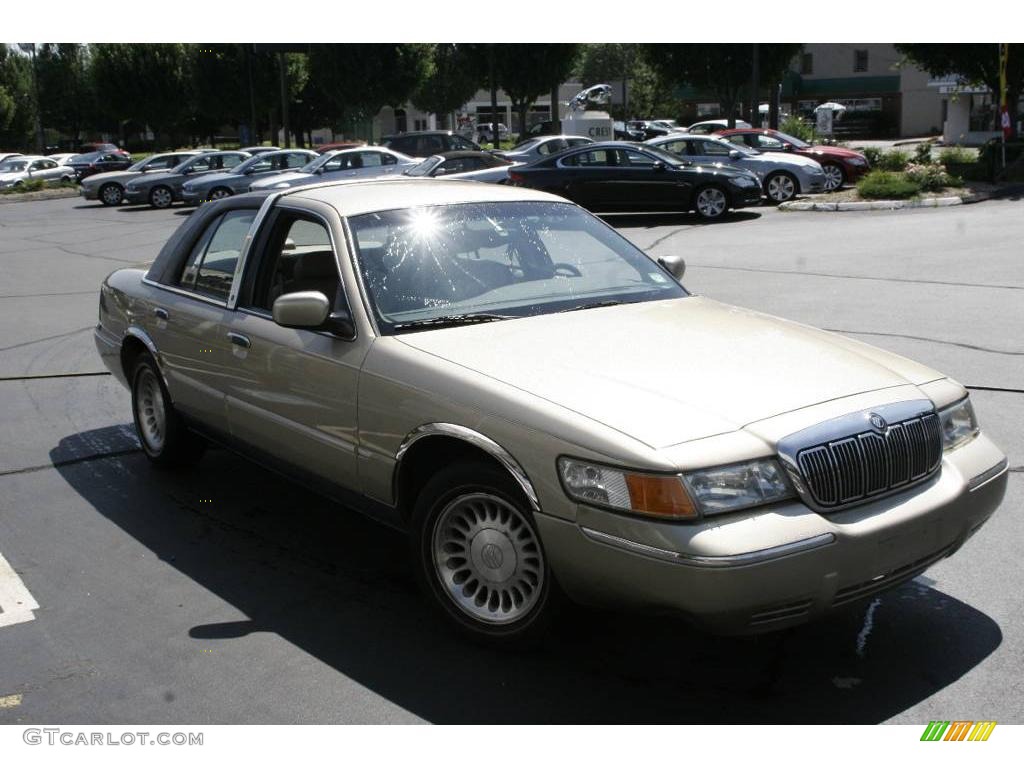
<point>291,177</point>
<point>826,151</point>
<point>121,176</point>
<point>666,372</point>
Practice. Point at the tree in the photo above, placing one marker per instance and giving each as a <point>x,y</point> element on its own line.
<point>145,84</point>
<point>977,63</point>
<point>645,93</point>
<point>455,71</point>
<point>526,70</point>
<point>723,69</point>
<point>16,110</point>
<point>353,81</point>
<point>67,100</point>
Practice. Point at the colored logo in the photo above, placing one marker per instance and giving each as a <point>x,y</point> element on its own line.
<point>958,730</point>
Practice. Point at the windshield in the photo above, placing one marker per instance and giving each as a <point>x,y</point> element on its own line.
<point>261,162</point>
<point>12,166</point>
<point>424,168</point>
<point>798,143</point>
<point>498,259</point>
<point>315,163</point>
<point>524,144</point>
<point>741,148</point>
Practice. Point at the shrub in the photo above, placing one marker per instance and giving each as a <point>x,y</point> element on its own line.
<point>795,126</point>
<point>923,153</point>
<point>887,185</point>
<point>873,154</point>
<point>894,160</point>
<point>931,177</point>
<point>956,156</point>
<point>32,185</point>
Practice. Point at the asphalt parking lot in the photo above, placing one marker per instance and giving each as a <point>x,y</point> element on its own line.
<point>224,594</point>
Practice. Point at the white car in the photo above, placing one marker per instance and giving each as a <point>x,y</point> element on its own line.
<point>63,157</point>
<point>21,168</point>
<point>8,155</point>
<point>710,126</point>
<point>783,176</point>
<point>360,162</point>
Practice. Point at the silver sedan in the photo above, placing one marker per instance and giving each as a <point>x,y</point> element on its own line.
<point>539,147</point>
<point>782,176</point>
<point>360,162</point>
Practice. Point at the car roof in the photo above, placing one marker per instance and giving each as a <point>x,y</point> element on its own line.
<point>29,157</point>
<point>457,153</point>
<point>418,133</point>
<point>352,198</point>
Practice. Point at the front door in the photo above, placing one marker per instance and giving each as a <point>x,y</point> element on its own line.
<point>293,391</point>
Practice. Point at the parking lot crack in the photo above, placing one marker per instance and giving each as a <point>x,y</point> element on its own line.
<point>960,344</point>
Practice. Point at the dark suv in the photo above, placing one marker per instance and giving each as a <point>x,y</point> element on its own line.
<point>427,143</point>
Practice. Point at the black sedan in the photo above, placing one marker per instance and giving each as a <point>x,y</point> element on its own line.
<point>99,162</point>
<point>618,176</point>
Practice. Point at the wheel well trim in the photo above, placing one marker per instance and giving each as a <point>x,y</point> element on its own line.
<point>475,439</point>
<point>139,334</point>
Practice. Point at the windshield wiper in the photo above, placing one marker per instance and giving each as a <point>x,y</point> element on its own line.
<point>446,321</point>
<point>596,304</point>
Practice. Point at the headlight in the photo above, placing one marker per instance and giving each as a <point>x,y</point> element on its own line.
<point>856,161</point>
<point>738,486</point>
<point>743,181</point>
<point>656,495</point>
<point>958,424</point>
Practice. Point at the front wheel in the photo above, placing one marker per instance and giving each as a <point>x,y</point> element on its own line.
<point>711,203</point>
<point>111,194</point>
<point>834,176</point>
<point>165,439</point>
<point>161,197</point>
<point>479,557</point>
<point>780,187</point>
<point>220,193</point>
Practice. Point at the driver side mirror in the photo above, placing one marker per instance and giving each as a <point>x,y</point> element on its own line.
<point>787,146</point>
<point>675,265</point>
<point>734,154</point>
<point>303,309</point>
<point>659,166</point>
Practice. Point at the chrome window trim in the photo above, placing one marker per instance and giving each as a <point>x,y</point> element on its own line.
<point>475,439</point>
<point>183,292</point>
<point>711,561</point>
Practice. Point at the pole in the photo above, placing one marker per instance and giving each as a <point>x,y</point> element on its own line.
<point>494,98</point>
<point>284,99</point>
<point>755,102</point>
<point>30,48</point>
<point>1004,53</point>
<point>252,96</point>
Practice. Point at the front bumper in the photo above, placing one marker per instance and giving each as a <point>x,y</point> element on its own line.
<point>779,566</point>
<point>193,197</point>
<point>89,193</point>
<point>745,196</point>
<point>136,196</point>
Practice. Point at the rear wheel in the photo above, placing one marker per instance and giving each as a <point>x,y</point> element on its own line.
<point>479,557</point>
<point>711,203</point>
<point>220,193</point>
<point>165,439</point>
<point>780,187</point>
<point>834,176</point>
<point>161,197</point>
<point>111,194</point>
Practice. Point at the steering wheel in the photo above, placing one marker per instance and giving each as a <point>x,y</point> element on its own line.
<point>567,268</point>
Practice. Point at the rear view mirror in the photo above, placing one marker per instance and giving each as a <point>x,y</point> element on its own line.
<point>734,154</point>
<point>659,166</point>
<point>675,265</point>
<point>303,309</point>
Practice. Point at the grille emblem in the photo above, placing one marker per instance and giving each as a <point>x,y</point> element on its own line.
<point>877,422</point>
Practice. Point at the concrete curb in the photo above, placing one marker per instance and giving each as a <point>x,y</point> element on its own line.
<point>42,194</point>
<point>873,205</point>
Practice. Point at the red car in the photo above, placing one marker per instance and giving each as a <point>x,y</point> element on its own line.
<point>841,166</point>
<point>338,145</point>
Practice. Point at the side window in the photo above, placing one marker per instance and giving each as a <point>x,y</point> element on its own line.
<point>230,161</point>
<point>388,159</point>
<point>370,159</point>
<point>211,265</point>
<point>768,142</point>
<point>111,158</point>
<point>737,138</point>
<point>595,158</point>
<point>297,256</point>
<point>297,160</point>
<point>460,143</point>
<point>713,148</point>
<point>202,164</point>
<point>678,147</point>
<point>37,166</point>
<point>578,142</point>
<point>635,159</point>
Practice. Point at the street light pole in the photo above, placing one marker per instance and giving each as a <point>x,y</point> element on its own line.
<point>284,99</point>
<point>30,48</point>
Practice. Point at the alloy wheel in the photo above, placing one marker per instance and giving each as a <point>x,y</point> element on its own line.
<point>711,202</point>
<point>488,558</point>
<point>833,177</point>
<point>112,194</point>
<point>161,197</point>
<point>219,194</point>
<point>781,188</point>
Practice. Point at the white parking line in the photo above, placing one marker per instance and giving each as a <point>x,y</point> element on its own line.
<point>16,603</point>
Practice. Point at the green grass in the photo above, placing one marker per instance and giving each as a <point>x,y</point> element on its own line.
<point>957,156</point>
<point>887,185</point>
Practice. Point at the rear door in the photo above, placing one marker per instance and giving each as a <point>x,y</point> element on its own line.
<point>188,320</point>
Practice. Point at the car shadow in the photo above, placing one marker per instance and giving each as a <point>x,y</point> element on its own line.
<point>653,220</point>
<point>339,586</point>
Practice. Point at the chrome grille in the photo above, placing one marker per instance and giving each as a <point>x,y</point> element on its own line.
<point>867,464</point>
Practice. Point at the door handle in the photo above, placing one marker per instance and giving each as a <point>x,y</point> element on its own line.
<point>240,340</point>
<point>161,313</point>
